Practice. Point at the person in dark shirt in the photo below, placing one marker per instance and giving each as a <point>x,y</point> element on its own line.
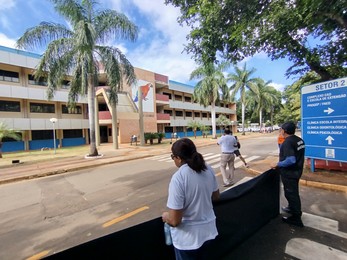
<point>290,166</point>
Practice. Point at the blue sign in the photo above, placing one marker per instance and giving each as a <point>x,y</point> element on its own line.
<point>324,120</point>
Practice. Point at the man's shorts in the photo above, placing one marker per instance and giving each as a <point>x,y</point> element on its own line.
<point>237,152</point>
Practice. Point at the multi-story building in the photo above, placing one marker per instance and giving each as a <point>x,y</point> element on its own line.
<point>167,107</point>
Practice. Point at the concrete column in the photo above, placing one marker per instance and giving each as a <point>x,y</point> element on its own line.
<point>97,126</point>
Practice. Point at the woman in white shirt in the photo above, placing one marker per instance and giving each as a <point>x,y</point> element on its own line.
<point>192,189</point>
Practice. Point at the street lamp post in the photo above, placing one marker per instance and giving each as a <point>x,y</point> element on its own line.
<point>53,121</point>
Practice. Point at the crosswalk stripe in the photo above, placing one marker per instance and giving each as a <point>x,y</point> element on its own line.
<point>324,224</point>
<point>302,248</point>
<point>252,158</point>
<point>211,158</point>
<point>206,154</point>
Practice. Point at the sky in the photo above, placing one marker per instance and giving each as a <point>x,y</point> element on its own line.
<point>160,44</point>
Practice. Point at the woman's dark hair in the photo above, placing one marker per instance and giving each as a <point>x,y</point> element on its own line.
<point>186,150</point>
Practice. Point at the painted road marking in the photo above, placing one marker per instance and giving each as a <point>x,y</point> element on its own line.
<point>128,215</point>
<point>324,224</point>
<point>39,255</point>
<point>211,158</point>
<point>306,249</point>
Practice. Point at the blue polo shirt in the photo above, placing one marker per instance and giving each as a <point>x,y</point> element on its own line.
<point>228,143</point>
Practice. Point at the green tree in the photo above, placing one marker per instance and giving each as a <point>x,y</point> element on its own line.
<point>223,121</point>
<point>211,89</point>
<point>194,125</point>
<point>292,96</point>
<point>205,129</point>
<point>78,50</point>
<point>281,28</point>
<point>5,132</point>
<point>242,81</point>
<point>264,98</point>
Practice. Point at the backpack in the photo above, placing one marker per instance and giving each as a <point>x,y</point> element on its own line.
<point>238,143</point>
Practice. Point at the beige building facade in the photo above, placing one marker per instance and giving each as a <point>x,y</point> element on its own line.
<point>167,107</point>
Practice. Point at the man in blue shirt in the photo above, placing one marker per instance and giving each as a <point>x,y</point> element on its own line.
<point>290,166</point>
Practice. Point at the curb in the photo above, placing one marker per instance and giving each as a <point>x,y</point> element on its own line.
<point>68,170</point>
<point>321,185</point>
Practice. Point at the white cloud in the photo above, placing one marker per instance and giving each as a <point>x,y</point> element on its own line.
<point>7,4</point>
<point>279,87</point>
<point>163,54</point>
<point>5,41</point>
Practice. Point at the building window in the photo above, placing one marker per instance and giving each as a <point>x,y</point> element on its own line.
<point>196,114</point>
<point>188,99</point>
<point>72,133</point>
<point>41,108</point>
<point>10,76</point>
<point>179,113</point>
<point>39,82</point>
<point>178,98</point>
<point>76,110</point>
<point>168,94</point>
<point>9,106</point>
<point>41,134</point>
<point>168,112</point>
<point>188,114</point>
<point>204,115</point>
<point>65,84</point>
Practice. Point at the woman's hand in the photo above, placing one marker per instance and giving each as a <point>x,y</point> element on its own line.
<point>165,216</point>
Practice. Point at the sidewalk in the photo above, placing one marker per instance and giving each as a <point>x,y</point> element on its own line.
<point>44,163</point>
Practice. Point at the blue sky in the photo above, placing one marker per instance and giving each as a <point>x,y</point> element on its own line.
<point>158,48</point>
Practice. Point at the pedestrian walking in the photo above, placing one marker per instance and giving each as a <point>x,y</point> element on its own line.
<point>190,216</point>
<point>238,153</point>
<point>228,145</point>
<point>290,166</point>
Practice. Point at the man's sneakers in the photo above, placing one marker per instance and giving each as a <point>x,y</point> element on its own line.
<point>286,210</point>
<point>293,220</point>
<point>229,184</point>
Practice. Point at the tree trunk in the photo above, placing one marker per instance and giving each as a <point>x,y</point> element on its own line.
<point>114,126</point>
<point>260,118</point>
<point>213,114</point>
<point>243,118</point>
<point>91,113</point>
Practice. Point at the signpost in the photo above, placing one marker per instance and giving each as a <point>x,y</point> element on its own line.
<point>324,120</point>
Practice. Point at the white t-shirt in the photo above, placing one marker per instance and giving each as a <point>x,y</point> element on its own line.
<point>192,192</point>
<point>228,143</point>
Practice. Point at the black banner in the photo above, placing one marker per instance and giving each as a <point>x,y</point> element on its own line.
<point>240,212</point>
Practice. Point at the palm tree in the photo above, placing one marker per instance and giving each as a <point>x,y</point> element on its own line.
<point>222,120</point>
<point>242,81</point>
<point>5,132</point>
<point>211,89</point>
<point>79,49</point>
<point>194,125</point>
<point>265,98</point>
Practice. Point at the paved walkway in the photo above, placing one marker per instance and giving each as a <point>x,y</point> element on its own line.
<point>44,163</point>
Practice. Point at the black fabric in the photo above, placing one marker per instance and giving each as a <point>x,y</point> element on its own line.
<point>240,212</point>
<point>293,146</point>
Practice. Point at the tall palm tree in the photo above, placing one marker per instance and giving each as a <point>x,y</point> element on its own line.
<point>6,132</point>
<point>79,49</point>
<point>242,81</point>
<point>211,89</point>
<point>265,98</point>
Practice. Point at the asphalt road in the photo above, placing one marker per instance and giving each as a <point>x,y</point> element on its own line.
<point>39,217</point>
